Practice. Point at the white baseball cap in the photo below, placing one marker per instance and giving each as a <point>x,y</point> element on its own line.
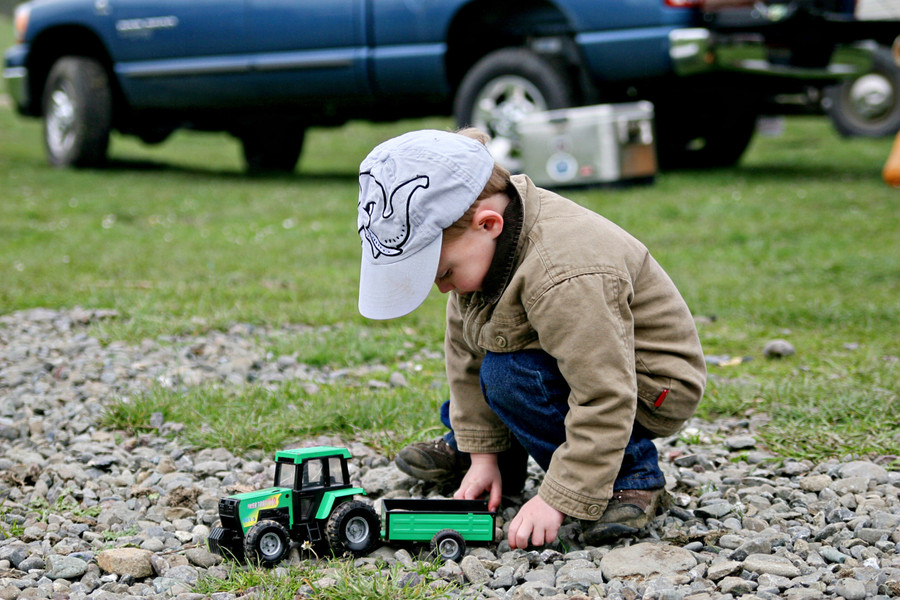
<point>411,188</point>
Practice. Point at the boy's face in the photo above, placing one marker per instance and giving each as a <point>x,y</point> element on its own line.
<point>465,260</point>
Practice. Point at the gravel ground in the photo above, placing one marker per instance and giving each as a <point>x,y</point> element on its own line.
<point>88,513</point>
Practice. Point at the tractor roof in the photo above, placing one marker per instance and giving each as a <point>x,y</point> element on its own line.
<point>298,455</point>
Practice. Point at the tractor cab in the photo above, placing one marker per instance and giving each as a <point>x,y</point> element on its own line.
<point>316,476</point>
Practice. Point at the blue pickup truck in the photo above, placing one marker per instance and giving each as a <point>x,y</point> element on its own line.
<point>266,70</point>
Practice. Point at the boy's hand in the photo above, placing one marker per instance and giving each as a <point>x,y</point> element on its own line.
<point>483,476</point>
<point>536,520</point>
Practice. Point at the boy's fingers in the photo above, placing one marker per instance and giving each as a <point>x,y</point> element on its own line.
<point>518,535</point>
<point>494,499</point>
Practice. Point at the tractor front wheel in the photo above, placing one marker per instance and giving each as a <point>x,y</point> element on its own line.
<point>267,542</point>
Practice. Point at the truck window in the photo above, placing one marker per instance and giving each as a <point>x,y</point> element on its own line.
<point>285,474</point>
<point>335,472</point>
<point>313,473</point>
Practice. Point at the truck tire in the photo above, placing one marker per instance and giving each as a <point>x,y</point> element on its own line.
<point>77,109</point>
<point>353,527</point>
<point>503,87</point>
<point>868,106</point>
<point>267,543</point>
<point>716,138</point>
<point>274,148</point>
<point>448,545</point>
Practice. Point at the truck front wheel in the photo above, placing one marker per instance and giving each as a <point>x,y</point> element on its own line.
<point>267,542</point>
<point>273,147</point>
<point>503,87</point>
<point>449,545</point>
<point>77,108</point>
<point>353,527</point>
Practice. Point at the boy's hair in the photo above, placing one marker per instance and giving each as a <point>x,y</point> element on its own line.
<point>497,183</point>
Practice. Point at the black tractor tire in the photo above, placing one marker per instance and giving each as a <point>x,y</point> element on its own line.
<point>353,527</point>
<point>267,543</point>
<point>448,544</point>
<point>869,105</point>
<point>503,87</point>
<point>715,139</point>
<point>77,112</point>
<point>273,148</point>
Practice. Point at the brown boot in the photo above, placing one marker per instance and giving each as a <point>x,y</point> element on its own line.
<point>433,461</point>
<point>627,513</point>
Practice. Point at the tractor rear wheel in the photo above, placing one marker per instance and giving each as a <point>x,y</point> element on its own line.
<point>353,527</point>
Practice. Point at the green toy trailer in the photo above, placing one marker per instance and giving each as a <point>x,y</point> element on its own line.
<point>447,524</point>
<point>312,501</point>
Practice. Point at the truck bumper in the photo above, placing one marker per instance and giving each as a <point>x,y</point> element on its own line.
<point>15,73</point>
<point>700,50</point>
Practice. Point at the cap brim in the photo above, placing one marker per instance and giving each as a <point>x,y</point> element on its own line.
<point>388,291</point>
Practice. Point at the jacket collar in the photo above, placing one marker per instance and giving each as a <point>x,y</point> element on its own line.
<point>501,268</point>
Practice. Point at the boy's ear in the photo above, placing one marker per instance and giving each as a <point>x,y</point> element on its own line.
<point>488,220</point>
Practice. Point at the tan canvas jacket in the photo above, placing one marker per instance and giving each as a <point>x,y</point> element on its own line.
<point>589,294</point>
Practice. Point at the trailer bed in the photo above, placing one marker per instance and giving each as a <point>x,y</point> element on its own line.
<point>419,520</point>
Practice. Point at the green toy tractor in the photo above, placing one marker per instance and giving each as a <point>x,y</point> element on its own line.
<point>312,500</point>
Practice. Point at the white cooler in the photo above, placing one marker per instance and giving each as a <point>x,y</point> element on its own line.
<point>589,145</point>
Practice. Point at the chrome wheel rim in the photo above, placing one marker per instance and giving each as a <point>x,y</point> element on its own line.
<point>357,530</point>
<point>448,548</point>
<point>871,97</point>
<point>60,120</point>
<point>499,106</point>
<point>270,544</point>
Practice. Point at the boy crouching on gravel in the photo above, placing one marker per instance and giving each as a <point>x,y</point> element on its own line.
<point>565,339</point>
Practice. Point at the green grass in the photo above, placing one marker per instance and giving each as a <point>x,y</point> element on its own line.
<point>332,581</point>
<point>801,241</point>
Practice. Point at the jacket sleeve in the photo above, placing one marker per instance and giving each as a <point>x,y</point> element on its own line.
<point>475,426</point>
<point>585,323</point>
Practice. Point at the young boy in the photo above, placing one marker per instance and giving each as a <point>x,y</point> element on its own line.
<point>564,337</point>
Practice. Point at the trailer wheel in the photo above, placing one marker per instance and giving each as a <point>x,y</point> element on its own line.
<point>267,542</point>
<point>448,544</point>
<point>353,527</point>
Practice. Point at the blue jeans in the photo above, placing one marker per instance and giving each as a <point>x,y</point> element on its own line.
<point>529,394</point>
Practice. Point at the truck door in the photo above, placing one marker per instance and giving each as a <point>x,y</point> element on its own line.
<point>174,54</point>
<point>306,50</point>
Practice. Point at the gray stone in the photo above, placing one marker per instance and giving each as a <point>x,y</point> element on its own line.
<point>646,559</point>
<point>775,565</point>
<point>740,442</point>
<point>126,561</point>
<point>866,470</point>
<point>736,586</point>
<point>778,349</point>
<point>721,570</point>
<point>850,589</point>
<point>65,567</point>
<point>833,555</point>
<point>815,483</point>
<point>475,572</point>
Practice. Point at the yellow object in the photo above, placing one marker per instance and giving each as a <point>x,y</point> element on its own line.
<point>891,171</point>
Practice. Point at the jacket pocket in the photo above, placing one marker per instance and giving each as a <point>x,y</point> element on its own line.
<point>507,332</point>
<point>664,404</point>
